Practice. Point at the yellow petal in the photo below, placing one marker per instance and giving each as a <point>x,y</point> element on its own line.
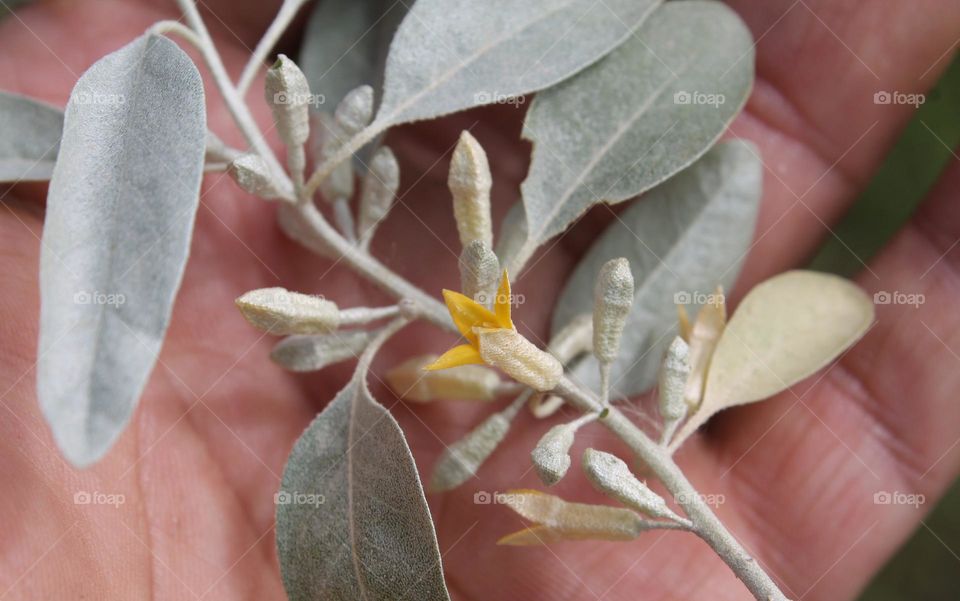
<point>536,535</point>
<point>458,355</point>
<point>501,304</point>
<point>467,313</point>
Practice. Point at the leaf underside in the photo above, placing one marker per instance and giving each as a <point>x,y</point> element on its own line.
<point>623,126</point>
<point>683,238</point>
<point>450,55</point>
<point>29,138</point>
<point>120,214</point>
<point>352,520</point>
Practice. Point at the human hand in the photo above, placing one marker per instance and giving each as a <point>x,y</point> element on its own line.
<point>199,465</point>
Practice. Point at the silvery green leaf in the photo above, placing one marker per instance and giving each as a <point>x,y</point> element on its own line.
<point>682,239</point>
<point>29,138</point>
<point>352,520</point>
<point>310,352</point>
<point>345,45</point>
<point>645,112</point>
<point>117,234</point>
<point>450,55</point>
<point>512,235</point>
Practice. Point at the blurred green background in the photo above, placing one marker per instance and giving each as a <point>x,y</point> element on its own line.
<point>927,568</point>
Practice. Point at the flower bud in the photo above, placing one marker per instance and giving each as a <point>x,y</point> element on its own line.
<point>279,311</point>
<point>551,456</point>
<point>611,476</point>
<point>380,186</point>
<point>479,272</point>
<point>613,298</point>
<point>462,459</point>
<point>673,381</point>
<point>470,182</point>
<point>410,382</point>
<point>306,352</point>
<point>339,184</point>
<point>519,358</point>
<point>252,174</point>
<point>354,111</point>
<point>557,520</point>
<point>288,94</point>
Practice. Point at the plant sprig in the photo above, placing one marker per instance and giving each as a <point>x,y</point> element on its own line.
<point>702,198</point>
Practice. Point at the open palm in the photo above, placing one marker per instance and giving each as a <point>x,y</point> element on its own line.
<point>184,502</point>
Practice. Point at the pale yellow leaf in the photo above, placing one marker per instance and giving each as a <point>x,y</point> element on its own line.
<point>784,330</point>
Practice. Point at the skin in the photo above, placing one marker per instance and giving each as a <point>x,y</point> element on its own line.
<point>201,459</point>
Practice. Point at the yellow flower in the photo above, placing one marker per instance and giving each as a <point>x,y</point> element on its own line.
<point>467,315</point>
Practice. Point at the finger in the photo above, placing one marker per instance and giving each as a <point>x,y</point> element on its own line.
<point>841,473</point>
<point>813,113</point>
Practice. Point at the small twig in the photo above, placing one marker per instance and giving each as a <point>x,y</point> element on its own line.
<point>361,315</point>
<point>235,104</point>
<point>667,434</point>
<point>344,220</point>
<point>215,167</point>
<point>343,153</point>
<point>705,523</point>
<point>288,10</point>
<point>178,28</point>
<point>366,265</point>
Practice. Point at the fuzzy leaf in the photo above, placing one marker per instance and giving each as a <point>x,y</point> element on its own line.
<point>307,352</point>
<point>450,55</point>
<point>345,45</point>
<point>680,239</point>
<point>622,127</point>
<point>119,220</point>
<point>352,520</point>
<point>29,138</point>
<point>784,330</point>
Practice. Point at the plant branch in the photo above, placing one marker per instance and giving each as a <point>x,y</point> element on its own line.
<point>288,10</point>
<point>343,153</point>
<point>705,524</point>
<point>178,28</point>
<point>367,266</point>
<point>235,103</point>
